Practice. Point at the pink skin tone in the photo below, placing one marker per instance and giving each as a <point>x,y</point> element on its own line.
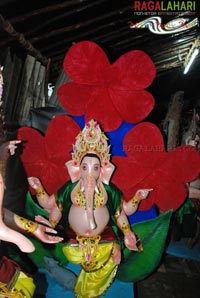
<point>8,148</point>
<point>116,254</point>
<point>89,173</point>
<point>47,202</point>
<point>129,237</point>
<point>141,194</point>
<point>7,233</point>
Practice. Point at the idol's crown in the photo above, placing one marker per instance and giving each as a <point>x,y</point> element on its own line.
<point>91,140</point>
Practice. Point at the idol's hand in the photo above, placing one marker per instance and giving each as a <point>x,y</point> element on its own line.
<point>116,254</point>
<point>42,220</point>
<point>8,148</point>
<point>142,194</point>
<point>34,182</point>
<point>130,240</point>
<point>42,234</point>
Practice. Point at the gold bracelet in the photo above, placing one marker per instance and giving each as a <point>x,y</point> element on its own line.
<point>125,227</point>
<point>135,201</point>
<point>53,223</point>
<point>117,214</point>
<point>28,225</point>
<point>60,206</point>
<point>3,169</point>
<point>139,243</point>
<point>40,192</point>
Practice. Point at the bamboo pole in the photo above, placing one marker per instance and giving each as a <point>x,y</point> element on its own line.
<point>6,26</point>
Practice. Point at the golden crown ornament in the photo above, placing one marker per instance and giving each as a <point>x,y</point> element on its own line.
<point>91,140</point>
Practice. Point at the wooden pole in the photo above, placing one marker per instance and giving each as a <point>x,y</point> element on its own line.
<point>22,41</point>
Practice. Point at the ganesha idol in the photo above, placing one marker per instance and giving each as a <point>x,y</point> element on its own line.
<point>92,212</point>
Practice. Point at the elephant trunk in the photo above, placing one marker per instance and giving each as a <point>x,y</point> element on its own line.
<point>89,196</point>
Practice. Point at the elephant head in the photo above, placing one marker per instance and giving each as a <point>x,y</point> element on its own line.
<point>89,172</point>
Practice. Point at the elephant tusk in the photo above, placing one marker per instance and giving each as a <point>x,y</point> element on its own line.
<point>96,189</point>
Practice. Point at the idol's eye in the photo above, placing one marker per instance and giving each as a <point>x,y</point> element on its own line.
<point>84,167</point>
<point>96,168</point>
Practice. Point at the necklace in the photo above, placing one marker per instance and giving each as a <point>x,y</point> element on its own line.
<point>81,200</point>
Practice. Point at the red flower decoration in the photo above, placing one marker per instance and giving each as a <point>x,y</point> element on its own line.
<point>147,165</point>
<point>45,156</point>
<point>108,93</point>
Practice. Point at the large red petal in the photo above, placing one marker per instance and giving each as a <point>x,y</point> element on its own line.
<point>59,137</point>
<point>33,143</point>
<point>128,172</point>
<point>171,192</point>
<point>33,155</point>
<point>86,62</point>
<point>134,71</point>
<point>144,147</point>
<point>74,97</point>
<point>144,143</point>
<point>183,162</point>
<point>101,109</point>
<point>45,156</point>
<point>168,192</point>
<point>53,176</point>
<point>133,106</point>
<point>168,178</point>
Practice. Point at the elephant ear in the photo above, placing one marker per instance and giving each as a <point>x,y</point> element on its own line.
<point>74,172</point>
<point>138,265</point>
<point>106,173</point>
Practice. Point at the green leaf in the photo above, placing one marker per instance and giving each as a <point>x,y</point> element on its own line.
<point>54,251</point>
<point>138,265</point>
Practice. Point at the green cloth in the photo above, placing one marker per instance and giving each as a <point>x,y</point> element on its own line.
<point>135,265</point>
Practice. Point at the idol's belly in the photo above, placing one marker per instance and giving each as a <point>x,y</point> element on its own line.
<point>78,220</point>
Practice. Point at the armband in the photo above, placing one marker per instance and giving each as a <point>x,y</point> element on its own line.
<point>40,192</point>
<point>3,168</point>
<point>125,227</point>
<point>135,202</point>
<point>28,225</point>
<point>117,214</point>
<point>53,223</point>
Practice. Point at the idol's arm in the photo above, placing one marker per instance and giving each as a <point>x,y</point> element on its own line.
<point>48,202</point>
<point>131,206</point>
<point>6,149</point>
<point>24,225</point>
<point>129,237</point>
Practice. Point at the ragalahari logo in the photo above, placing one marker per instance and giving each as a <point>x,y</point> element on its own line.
<point>155,9</point>
<point>155,25</point>
<point>176,6</point>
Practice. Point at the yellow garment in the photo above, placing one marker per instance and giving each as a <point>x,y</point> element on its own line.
<point>99,276</point>
<point>20,286</point>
